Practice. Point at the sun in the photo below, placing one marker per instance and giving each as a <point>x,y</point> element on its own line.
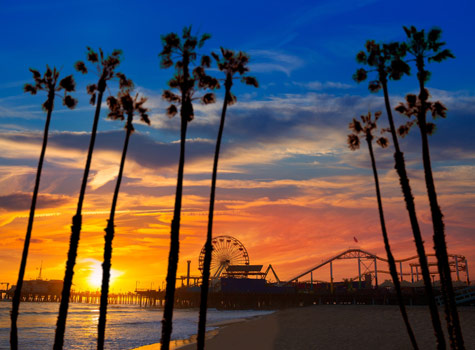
<point>95,276</point>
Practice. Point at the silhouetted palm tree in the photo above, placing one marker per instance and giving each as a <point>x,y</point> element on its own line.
<point>427,46</point>
<point>105,67</point>
<point>47,83</point>
<point>366,130</point>
<point>183,52</point>
<point>124,106</point>
<point>230,63</point>
<point>386,60</point>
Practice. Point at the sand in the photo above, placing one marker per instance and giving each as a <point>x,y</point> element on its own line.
<point>335,327</point>
<point>330,327</point>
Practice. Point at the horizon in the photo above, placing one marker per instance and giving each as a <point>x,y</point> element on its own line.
<point>288,186</point>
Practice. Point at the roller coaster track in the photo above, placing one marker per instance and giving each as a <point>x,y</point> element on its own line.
<point>459,261</point>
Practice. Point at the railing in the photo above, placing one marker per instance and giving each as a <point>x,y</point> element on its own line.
<point>461,296</point>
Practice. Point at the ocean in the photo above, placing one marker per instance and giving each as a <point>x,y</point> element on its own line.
<point>128,326</point>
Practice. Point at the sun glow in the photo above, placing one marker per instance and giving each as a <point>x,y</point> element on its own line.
<point>95,277</point>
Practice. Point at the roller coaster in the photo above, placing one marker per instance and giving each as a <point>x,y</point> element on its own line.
<point>368,265</point>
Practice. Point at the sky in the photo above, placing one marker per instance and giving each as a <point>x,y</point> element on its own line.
<point>288,186</point>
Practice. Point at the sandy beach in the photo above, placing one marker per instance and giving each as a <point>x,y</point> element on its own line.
<point>335,327</point>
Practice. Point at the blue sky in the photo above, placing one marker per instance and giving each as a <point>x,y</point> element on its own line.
<point>285,150</point>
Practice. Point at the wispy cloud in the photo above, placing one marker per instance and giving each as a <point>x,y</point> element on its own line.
<point>317,85</point>
<point>18,112</point>
<point>267,61</point>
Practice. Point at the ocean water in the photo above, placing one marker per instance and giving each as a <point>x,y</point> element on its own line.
<point>128,326</point>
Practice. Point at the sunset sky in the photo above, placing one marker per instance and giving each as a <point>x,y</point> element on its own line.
<point>288,186</point>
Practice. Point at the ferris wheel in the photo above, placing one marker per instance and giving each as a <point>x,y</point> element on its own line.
<point>227,251</point>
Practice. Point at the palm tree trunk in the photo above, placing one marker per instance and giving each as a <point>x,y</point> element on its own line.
<point>174,248</point>
<point>391,262</point>
<point>21,273</point>
<point>106,265</point>
<point>75,233</point>
<point>410,206</point>
<point>209,237</point>
<point>167,321</point>
<point>440,246</point>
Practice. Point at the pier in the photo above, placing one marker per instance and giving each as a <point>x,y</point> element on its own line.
<point>245,287</point>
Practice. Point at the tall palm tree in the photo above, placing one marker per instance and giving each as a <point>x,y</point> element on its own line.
<point>411,108</point>
<point>366,129</point>
<point>230,63</point>
<point>386,60</point>
<point>428,47</point>
<point>124,106</point>
<point>48,82</point>
<point>105,67</point>
<point>183,52</point>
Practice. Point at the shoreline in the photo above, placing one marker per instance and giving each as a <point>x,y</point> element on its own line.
<point>189,343</point>
<point>181,344</point>
<point>332,327</point>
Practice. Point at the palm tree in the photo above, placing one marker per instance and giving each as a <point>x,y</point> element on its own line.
<point>126,105</point>
<point>47,82</point>
<point>386,60</point>
<point>366,128</point>
<point>105,67</point>
<point>427,46</point>
<point>183,52</point>
<point>230,63</point>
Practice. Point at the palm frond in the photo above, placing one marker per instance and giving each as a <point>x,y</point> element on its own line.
<point>208,98</point>
<point>113,103</point>
<point>360,75</point>
<point>353,142</point>
<point>401,108</point>
<point>438,110</point>
<point>356,126</point>
<point>430,128</point>
<point>170,96</point>
<point>144,117</point>
<point>91,88</point>
<point>171,40</point>
<point>29,89</point>
<point>124,83</point>
<point>424,75</point>
<point>166,62</point>
<point>203,38</point>
<point>68,83</point>
<point>36,74</point>
<point>383,142</point>
<point>116,53</point>
<point>205,61</point>
<point>171,111</point>
<point>361,57</point>
<point>404,129</point>
<point>47,105</point>
<point>92,56</point>
<point>443,55</point>
<point>250,81</point>
<point>80,67</point>
<point>411,100</point>
<point>231,99</point>
<point>374,86</point>
<point>48,73</point>
<point>434,34</point>
<point>70,102</point>
<point>215,56</point>
<point>398,69</point>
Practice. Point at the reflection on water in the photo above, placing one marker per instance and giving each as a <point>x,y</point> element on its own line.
<point>128,326</point>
